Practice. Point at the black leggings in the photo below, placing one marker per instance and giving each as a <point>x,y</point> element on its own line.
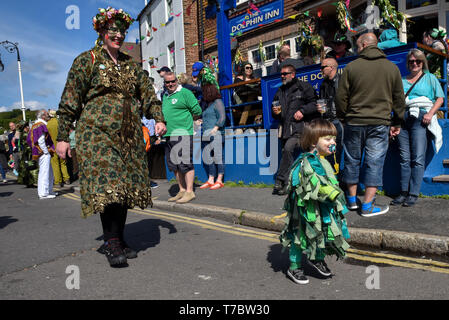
<point>113,220</point>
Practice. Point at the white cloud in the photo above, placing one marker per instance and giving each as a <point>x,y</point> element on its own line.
<point>32,105</point>
<point>44,92</point>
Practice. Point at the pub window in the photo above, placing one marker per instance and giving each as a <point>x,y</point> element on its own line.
<point>270,52</point>
<point>256,56</point>
<point>411,4</point>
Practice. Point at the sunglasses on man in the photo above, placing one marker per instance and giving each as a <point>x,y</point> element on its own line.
<point>284,74</point>
<point>170,81</point>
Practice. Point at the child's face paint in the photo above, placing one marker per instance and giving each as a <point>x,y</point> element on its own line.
<point>326,145</point>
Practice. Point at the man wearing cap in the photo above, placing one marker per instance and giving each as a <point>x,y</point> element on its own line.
<point>58,165</point>
<point>196,69</point>
<point>162,71</point>
<point>341,47</point>
<point>203,75</point>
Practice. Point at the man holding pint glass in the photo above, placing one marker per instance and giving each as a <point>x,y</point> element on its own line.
<point>293,104</point>
<point>326,105</point>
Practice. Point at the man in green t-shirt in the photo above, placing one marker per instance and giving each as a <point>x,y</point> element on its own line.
<point>178,107</point>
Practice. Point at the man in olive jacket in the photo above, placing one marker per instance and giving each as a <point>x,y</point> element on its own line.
<point>370,101</point>
<point>298,105</point>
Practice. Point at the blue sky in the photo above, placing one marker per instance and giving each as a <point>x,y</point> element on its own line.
<point>47,47</point>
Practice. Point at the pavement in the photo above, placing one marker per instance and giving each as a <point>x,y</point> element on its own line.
<point>422,229</point>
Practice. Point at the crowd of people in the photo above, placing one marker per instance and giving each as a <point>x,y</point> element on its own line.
<point>20,152</point>
<point>120,115</point>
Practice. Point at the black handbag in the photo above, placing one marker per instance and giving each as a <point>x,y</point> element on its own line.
<point>31,165</point>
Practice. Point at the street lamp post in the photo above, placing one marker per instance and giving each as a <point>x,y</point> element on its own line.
<point>11,47</point>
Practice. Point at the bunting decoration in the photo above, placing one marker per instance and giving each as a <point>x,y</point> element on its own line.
<point>344,18</point>
<point>261,52</point>
<point>253,6</point>
<point>311,43</point>
<point>389,14</point>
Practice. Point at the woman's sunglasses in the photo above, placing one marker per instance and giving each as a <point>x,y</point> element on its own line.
<point>417,62</point>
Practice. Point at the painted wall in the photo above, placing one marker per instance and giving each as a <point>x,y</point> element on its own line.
<point>248,163</point>
<point>157,45</point>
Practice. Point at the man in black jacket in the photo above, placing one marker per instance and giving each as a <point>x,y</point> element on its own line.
<point>297,101</point>
<point>328,91</point>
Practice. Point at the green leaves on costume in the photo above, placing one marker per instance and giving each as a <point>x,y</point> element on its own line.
<point>315,209</point>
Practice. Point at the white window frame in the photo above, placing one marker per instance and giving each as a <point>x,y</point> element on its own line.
<point>239,2</point>
<point>440,8</point>
<point>167,7</point>
<point>149,27</point>
<point>275,42</point>
<point>171,56</point>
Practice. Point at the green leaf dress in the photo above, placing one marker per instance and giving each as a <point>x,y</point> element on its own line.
<point>107,101</point>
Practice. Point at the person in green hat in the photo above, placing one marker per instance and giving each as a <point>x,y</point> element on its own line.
<point>341,47</point>
<point>434,38</point>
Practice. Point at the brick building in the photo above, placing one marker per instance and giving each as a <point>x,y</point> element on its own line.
<point>199,34</point>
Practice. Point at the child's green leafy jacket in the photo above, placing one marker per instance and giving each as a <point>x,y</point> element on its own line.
<point>315,209</point>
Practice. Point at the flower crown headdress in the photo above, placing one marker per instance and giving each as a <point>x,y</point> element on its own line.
<point>101,19</point>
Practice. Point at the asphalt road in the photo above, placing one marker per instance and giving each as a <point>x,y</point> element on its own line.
<point>44,243</point>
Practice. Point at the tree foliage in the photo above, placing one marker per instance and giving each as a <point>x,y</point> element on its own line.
<point>15,116</point>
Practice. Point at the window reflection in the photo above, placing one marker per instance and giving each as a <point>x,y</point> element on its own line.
<point>419,3</point>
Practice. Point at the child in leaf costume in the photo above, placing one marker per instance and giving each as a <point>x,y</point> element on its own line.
<point>315,224</point>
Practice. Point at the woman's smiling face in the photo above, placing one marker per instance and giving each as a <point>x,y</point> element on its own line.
<point>114,36</point>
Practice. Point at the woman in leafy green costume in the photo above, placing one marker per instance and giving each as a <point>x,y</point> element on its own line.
<point>107,93</point>
<point>315,224</point>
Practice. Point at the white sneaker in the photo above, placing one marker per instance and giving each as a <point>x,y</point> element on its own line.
<point>54,194</point>
<point>50,196</point>
<point>5,181</point>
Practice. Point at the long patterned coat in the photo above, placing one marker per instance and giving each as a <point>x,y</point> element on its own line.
<point>108,101</point>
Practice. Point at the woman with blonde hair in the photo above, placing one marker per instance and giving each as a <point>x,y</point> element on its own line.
<point>423,97</point>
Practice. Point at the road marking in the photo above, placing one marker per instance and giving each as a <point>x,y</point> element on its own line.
<point>398,263</point>
<point>265,234</point>
<point>380,258</point>
<point>205,226</point>
<point>278,217</point>
<point>397,257</point>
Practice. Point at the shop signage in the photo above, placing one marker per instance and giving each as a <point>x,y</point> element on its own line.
<point>266,14</point>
